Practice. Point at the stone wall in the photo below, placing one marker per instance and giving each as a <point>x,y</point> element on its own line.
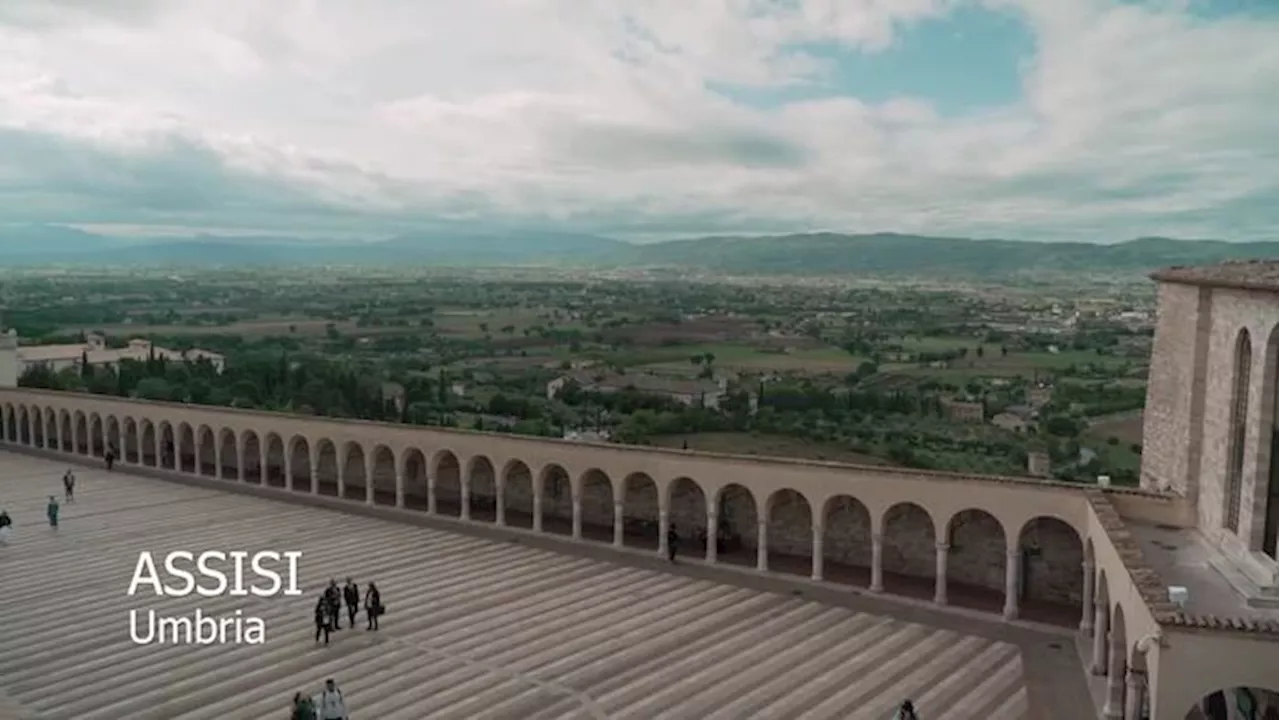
<point>1170,436</point>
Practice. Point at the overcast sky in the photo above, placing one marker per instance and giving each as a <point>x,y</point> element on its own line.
<point>1038,119</point>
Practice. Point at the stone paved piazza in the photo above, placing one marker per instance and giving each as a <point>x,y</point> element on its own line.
<point>477,628</point>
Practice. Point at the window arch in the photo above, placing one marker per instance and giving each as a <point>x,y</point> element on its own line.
<point>1236,430</point>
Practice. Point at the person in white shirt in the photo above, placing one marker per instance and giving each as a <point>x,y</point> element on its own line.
<point>332,706</point>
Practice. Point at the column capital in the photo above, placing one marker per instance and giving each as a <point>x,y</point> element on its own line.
<point>761,522</point>
<point>817,532</point>
<point>617,506</point>
<point>1013,553</point>
<point>1087,565</point>
<point>711,512</point>
<point>877,538</point>
<point>941,547</point>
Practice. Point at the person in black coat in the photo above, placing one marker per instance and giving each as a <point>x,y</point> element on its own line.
<point>333,597</point>
<point>351,594</point>
<point>372,606</point>
<point>322,619</point>
<point>673,543</point>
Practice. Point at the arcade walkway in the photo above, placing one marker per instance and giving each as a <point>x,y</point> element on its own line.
<point>476,628</point>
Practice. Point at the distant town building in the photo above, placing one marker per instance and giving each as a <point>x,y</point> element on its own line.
<point>1040,395</point>
<point>1010,421</point>
<point>1038,464</point>
<point>693,393</point>
<point>964,411</point>
<point>95,352</point>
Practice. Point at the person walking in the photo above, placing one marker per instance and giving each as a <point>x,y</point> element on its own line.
<point>673,543</point>
<point>333,597</point>
<point>5,523</point>
<point>906,711</point>
<point>69,486</point>
<point>110,457</point>
<point>51,510</point>
<point>303,708</point>
<point>373,608</point>
<point>351,594</point>
<point>322,619</point>
<point>332,705</point>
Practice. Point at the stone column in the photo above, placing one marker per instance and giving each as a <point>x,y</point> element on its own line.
<point>464,512</point>
<point>619,525</point>
<point>1086,600</point>
<point>399,486</point>
<point>877,555</point>
<point>240,474</point>
<point>1099,638</point>
<point>940,573</point>
<point>1114,707</point>
<point>577,517</point>
<point>313,464</point>
<point>432,504</point>
<point>341,467</point>
<point>662,532</point>
<point>1012,568</point>
<point>263,467</point>
<point>762,545</point>
<point>288,468</point>
<point>817,553</point>
<point>1135,694</point>
<point>370,465</point>
<point>713,531</point>
<point>217,459</point>
<point>537,507</point>
<point>500,504</point>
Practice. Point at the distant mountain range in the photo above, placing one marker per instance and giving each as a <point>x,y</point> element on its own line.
<point>807,254</point>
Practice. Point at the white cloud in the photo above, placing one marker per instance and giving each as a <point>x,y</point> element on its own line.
<point>1136,119</point>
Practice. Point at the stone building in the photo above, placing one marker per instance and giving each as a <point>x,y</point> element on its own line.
<point>95,352</point>
<point>1164,588</point>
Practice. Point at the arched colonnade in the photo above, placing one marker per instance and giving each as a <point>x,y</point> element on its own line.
<point>1030,566</point>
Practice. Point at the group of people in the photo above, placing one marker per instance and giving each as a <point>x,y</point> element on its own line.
<point>329,607</point>
<point>51,509</point>
<point>331,705</point>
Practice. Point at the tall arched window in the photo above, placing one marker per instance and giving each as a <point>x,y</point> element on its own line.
<point>1236,430</point>
<point>1266,481</point>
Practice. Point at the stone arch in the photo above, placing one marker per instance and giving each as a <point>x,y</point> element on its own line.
<point>168,445</point>
<point>1265,483</point>
<point>132,441</point>
<point>299,464</point>
<point>354,482</point>
<point>147,447</point>
<point>97,444</point>
<point>207,451</point>
<point>81,433</point>
<point>1237,429</point>
<point>908,555</point>
<point>556,487</point>
<point>687,513</point>
<point>251,457</point>
<point>382,464</point>
<point>416,487</point>
<point>789,532</point>
<point>327,467</point>
<point>640,511</point>
<point>846,545</point>
<point>37,427</point>
<point>1233,702</point>
<point>595,505</point>
<point>24,425</point>
<point>1051,553</point>
<point>187,460</point>
<point>517,494</point>
<point>739,518</point>
<point>230,453</point>
<point>12,432</point>
<point>1117,663</point>
<point>275,471</point>
<point>66,436</point>
<point>447,472</point>
<point>113,439</point>
<point>976,559</point>
<point>51,429</point>
<point>482,489</point>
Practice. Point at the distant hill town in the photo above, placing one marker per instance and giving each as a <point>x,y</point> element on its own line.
<point>799,254</point>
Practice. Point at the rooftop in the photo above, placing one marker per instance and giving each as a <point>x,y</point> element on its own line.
<point>1240,274</point>
<point>476,627</point>
<point>1180,556</point>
